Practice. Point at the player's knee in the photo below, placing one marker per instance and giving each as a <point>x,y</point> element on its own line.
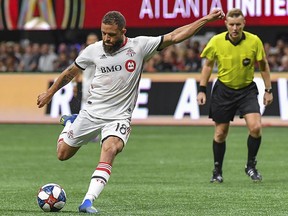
<point>63,152</point>
<point>114,146</point>
<point>62,155</point>
<point>111,149</point>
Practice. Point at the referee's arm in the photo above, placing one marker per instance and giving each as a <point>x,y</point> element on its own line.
<point>265,73</point>
<point>206,72</point>
<point>204,78</point>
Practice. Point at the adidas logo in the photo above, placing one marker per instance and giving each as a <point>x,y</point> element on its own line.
<point>103,56</point>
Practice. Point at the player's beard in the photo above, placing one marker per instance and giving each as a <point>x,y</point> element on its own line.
<point>114,48</point>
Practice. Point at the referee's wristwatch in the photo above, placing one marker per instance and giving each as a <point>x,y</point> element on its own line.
<point>269,91</point>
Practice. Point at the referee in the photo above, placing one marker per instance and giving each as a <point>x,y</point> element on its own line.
<point>235,52</point>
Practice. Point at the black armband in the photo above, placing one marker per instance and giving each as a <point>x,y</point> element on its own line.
<point>202,89</point>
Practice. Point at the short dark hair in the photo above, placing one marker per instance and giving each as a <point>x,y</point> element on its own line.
<point>114,17</point>
<point>235,12</point>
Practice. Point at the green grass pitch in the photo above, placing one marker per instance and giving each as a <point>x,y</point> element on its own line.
<point>162,171</point>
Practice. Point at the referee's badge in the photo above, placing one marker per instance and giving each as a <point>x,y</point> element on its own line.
<point>246,61</point>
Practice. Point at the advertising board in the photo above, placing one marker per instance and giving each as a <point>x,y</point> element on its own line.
<point>87,14</point>
<point>163,99</point>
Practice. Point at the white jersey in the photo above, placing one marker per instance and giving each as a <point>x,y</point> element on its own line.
<point>114,89</point>
<point>87,77</point>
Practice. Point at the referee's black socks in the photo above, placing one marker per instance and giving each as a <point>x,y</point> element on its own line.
<point>219,152</point>
<point>253,145</point>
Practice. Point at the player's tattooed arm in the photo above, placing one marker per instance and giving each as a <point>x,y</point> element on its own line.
<point>69,75</point>
<point>65,77</point>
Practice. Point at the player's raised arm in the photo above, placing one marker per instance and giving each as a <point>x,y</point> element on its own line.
<point>65,77</point>
<point>182,33</point>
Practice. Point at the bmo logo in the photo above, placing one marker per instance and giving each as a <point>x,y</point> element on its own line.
<point>110,69</point>
<point>130,65</point>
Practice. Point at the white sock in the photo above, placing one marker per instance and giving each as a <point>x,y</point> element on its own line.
<point>98,181</point>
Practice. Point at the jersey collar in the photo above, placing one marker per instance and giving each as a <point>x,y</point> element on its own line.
<point>235,44</point>
<point>124,42</point>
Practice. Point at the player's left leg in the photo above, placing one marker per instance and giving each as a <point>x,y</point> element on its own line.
<point>253,122</point>
<point>110,148</point>
<point>115,135</point>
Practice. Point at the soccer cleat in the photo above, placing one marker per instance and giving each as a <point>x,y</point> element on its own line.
<point>86,207</point>
<point>250,170</point>
<point>65,118</point>
<point>217,176</point>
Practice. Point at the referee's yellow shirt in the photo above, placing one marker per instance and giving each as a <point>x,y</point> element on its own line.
<point>235,62</point>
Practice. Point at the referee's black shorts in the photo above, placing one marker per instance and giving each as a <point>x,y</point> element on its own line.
<point>225,102</point>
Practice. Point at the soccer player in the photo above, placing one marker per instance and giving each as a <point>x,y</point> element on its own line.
<point>235,52</point>
<point>114,89</point>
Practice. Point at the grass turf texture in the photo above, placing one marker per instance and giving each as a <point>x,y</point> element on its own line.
<point>162,171</point>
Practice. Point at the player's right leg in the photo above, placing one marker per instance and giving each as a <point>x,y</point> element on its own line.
<point>78,130</point>
<point>64,151</point>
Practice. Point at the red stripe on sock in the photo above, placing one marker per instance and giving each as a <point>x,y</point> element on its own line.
<point>103,166</point>
<point>104,169</point>
<point>105,163</point>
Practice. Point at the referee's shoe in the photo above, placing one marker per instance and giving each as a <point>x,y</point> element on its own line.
<point>217,176</point>
<point>250,170</point>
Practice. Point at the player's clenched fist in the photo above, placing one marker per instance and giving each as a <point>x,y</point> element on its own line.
<point>215,14</point>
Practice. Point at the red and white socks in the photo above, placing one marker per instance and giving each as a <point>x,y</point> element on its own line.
<point>98,181</point>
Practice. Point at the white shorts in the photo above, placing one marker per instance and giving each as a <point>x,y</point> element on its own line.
<point>85,128</point>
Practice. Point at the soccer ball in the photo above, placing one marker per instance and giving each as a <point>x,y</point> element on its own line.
<point>51,197</point>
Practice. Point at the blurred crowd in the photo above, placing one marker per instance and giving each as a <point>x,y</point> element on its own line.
<point>25,56</point>
<point>35,57</point>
